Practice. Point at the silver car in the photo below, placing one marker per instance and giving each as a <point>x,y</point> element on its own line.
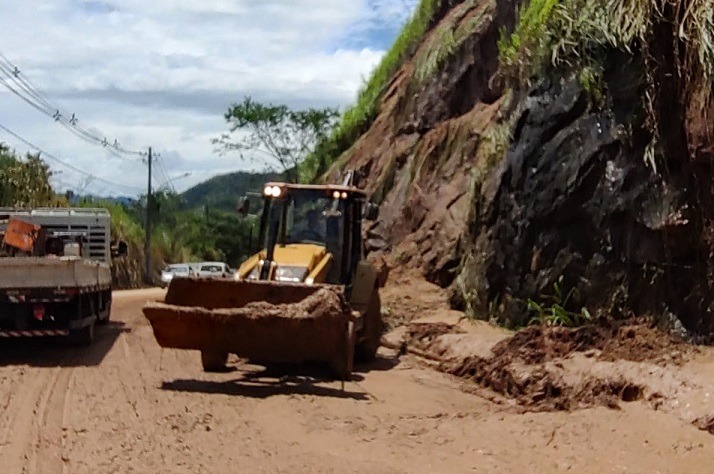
<point>175,270</point>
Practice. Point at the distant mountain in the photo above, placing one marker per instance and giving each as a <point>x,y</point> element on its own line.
<point>84,198</point>
<point>222,192</point>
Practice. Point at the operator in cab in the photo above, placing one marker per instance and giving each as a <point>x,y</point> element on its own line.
<point>312,229</point>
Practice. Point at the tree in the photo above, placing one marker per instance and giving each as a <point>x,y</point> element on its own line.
<point>24,182</point>
<point>282,135</point>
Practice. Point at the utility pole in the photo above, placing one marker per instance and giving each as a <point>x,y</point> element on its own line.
<point>147,249</point>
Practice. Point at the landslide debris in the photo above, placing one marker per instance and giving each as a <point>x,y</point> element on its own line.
<point>546,368</point>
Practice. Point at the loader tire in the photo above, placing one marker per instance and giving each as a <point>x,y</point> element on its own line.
<point>214,361</point>
<point>369,339</point>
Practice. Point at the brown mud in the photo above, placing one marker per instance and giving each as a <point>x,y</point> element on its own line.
<point>546,369</point>
<point>127,405</point>
<point>530,367</point>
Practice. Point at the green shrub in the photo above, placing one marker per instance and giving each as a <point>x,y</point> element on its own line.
<point>553,310</point>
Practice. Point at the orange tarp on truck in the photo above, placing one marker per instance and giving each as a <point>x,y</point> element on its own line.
<point>21,235</point>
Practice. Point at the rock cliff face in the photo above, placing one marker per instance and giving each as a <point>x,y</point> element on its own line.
<point>419,154</point>
<point>499,189</point>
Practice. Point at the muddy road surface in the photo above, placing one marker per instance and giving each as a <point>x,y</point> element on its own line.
<point>126,405</point>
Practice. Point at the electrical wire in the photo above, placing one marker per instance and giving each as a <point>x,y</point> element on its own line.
<point>166,180</point>
<point>17,84</point>
<point>66,164</point>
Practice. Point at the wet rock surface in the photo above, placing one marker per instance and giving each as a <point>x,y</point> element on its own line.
<point>574,199</point>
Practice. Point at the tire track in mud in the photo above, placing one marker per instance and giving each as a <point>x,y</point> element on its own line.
<point>34,435</point>
<point>24,434</point>
<point>133,381</point>
<point>8,415</point>
<point>51,457</point>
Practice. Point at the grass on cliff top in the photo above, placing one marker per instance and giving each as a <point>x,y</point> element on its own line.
<point>578,32</point>
<point>358,118</point>
<point>578,35</point>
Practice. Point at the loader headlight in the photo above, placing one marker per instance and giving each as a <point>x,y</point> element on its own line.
<point>293,274</point>
<point>272,191</point>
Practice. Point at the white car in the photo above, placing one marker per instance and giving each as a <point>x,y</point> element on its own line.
<point>175,270</point>
<point>214,270</point>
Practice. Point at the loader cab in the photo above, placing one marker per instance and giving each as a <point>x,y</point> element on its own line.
<point>310,220</point>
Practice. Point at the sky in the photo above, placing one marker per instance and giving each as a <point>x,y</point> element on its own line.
<point>161,74</point>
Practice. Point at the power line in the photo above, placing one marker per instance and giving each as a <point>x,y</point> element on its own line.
<point>61,182</point>
<point>64,163</point>
<point>79,132</point>
<point>166,180</point>
<point>76,187</point>
<point>16,83</point>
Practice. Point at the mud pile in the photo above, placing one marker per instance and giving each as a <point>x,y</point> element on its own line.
<point>552,368</point>
<point>634,341</point>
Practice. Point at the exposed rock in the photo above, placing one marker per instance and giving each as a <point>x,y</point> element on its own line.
<point>500,193</point>
<point>420,152</point>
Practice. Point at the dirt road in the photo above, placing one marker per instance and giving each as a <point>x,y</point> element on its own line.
<point>125,405</point>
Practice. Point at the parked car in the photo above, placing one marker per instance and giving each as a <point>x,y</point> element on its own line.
<point>214,270</point>
<point>176,269</point>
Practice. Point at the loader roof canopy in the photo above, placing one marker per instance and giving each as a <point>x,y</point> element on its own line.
<point>327,189</point>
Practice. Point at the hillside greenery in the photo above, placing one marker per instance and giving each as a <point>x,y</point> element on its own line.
<point>359,117</point>
<point>222,192</point>
<point>181,233</point>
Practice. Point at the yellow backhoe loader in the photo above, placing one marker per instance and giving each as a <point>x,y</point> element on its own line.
<point>307,295</point>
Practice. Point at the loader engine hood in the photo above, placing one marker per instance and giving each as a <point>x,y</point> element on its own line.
<point>296,263</point>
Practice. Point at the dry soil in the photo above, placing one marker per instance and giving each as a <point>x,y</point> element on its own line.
<point>126,405</point>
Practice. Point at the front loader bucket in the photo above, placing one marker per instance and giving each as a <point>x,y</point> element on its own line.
<point>260,321</point>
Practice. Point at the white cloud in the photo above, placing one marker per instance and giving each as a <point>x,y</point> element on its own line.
<point>162,72</point>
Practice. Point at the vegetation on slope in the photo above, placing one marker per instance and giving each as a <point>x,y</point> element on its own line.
<point>577,32</point>
<point>222,192</point>
<point>579,35</point>
<point>357,119</point>
<point>447,39</point>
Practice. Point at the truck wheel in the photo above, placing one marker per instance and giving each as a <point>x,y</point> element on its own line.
<point>214,361</point>
<point>369,339</point>
<point>83,336</point>
<point>105,320</point>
